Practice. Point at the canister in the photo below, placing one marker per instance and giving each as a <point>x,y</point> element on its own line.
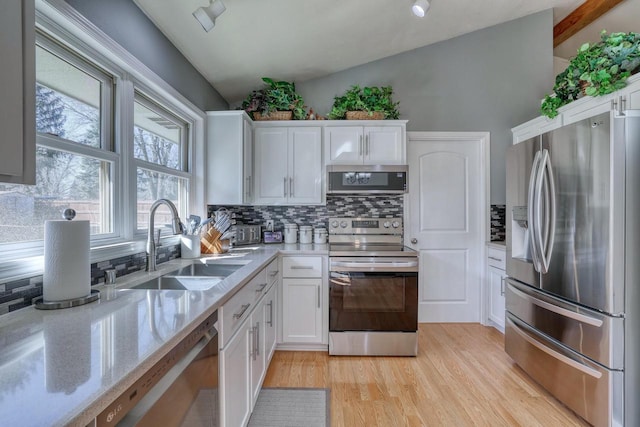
<point>320,235</point>
<point>306,234</point>
<point>290,233</point>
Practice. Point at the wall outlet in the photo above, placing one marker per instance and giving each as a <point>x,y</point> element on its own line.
<point>269,224</point>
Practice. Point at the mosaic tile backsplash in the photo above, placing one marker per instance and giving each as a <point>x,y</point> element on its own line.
<point>387,206</point>
<point>498,217</point>
<point>19,293</point>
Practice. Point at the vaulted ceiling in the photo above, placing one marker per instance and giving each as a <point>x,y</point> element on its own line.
<point>297,40</point>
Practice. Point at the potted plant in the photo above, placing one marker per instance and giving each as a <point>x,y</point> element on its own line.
<point>373,103</point>
<point>597,69</point>
<point>278,101</point>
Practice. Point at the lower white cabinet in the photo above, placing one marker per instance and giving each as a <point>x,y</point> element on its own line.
<point>235,380</point>
<point>496,276</point>
<point>247,348</point>
<point>304,300</point>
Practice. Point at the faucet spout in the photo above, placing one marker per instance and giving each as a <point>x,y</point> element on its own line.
<point>175,225</point>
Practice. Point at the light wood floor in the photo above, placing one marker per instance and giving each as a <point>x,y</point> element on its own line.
<point>461,377</point>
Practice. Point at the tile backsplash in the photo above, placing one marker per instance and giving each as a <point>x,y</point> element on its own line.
<point>498,216</point>
<point>386,206</point>
<point>19,293</point>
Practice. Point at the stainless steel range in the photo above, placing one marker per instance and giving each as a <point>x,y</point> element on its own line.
<point>373,288</point>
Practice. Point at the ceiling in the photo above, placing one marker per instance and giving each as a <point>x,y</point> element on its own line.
<point>301,40</point>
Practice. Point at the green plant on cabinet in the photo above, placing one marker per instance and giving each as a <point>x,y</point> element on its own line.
<point>597,69</point>
<point>369,99</point>
<point>277,96</point>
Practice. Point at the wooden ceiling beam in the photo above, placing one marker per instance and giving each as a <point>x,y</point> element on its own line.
<point>584,15</point>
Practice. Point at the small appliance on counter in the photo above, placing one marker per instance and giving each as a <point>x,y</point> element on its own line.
<point>246,234</point>
<point>272,236</point>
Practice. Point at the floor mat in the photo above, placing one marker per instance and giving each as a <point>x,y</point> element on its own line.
<point>291,407</point>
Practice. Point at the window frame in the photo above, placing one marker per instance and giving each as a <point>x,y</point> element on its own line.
<point>74,34</point>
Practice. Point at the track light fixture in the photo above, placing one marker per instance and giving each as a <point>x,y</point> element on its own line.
<point>420,8</point>
<point>206,16</point>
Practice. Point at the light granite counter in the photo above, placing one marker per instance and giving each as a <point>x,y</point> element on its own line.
<point>63,367</point>
<point>497,244</point>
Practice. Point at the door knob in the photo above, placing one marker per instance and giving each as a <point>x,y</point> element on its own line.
<point>414,241</point>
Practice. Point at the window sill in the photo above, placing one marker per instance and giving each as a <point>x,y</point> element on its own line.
<point>31,266</point>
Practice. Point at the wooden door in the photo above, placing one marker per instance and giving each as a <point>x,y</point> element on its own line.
<point>447,221</point>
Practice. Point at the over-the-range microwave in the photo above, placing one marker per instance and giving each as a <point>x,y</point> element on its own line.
<point>366,179</point>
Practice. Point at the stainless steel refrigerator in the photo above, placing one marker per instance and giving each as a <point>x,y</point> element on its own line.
<point>573,261</point>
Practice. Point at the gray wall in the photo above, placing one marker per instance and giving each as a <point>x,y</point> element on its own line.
<point>125,23</point>
<point>489,80</point>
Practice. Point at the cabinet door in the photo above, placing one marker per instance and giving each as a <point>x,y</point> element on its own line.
<point>586,107</point>
<point>271,174</point>
<point>344,145</point>
<point>247,145</point>
<point>257,351</point>
<point>633,96</point>
<point>383,145</point>
<point>235,401</point>
<point>270,324</point>
<point>305,165</point>
<point>496,296</point>
<point>301,310</point>
<point>17,92</point>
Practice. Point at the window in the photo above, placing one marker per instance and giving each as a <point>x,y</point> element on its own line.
<point>74,158</point>
<point>160,149</point>
<point>108,146</point>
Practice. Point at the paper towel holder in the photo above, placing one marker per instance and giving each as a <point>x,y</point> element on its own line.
<point>41,304</point>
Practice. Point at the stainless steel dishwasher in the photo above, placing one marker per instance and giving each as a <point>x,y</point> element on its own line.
<point>180,390</point>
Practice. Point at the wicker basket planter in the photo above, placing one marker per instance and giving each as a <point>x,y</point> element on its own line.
<point>274,115</point>
<point>364,115</point>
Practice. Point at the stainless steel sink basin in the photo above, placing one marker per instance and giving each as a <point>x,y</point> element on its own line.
<point>198,276</point>
<point>185,283</point>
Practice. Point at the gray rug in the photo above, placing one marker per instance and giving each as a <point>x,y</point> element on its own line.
<point>291,407</point>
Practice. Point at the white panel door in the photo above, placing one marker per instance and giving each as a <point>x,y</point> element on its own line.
<point>446,218</point>
<point>305,165</point>
<point>383,145</point>
<point>271,178</point>
<point>343,145</point>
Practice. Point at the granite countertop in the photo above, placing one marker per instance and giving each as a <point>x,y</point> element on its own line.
<point>498,244</point>
<point>63,367</point>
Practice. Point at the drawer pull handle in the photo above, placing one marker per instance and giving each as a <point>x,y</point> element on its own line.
<point>261,287</point>
<point>270,322</point>
<point>495,259</point>
<point>302,267</point>
<point>273,273</point>
<point>243,309</point>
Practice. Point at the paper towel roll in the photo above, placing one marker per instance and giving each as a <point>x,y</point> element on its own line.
<point>67,271</point>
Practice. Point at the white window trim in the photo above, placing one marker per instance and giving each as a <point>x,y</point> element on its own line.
<point>58,18</point>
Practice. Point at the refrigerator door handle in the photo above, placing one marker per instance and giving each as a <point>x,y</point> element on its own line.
<point>530,211</point>
<point>550,217</point>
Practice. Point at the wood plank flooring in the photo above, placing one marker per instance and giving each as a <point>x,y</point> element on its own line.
<point>461,377</point>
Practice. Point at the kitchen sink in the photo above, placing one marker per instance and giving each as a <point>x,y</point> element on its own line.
<point>199,276</point>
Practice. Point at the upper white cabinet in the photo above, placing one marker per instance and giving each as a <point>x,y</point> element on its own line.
<point>229,158</point>
<point>369,145</point>
<point>17,92</point>
<point>288,165</point>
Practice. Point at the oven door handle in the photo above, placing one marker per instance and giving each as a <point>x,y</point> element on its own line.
<point>352,264</point>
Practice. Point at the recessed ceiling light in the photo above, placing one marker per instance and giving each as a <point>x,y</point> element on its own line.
<point>420,8</point>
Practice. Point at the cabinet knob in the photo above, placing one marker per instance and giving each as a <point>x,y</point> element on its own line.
<point>414,241</point>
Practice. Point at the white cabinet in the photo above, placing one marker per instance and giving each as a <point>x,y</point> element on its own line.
<point>17,92</point>
<point>270,323</point>
<point>535,127</point>
<point>257,351</point>
<point>288,165</point>
<point>369,145</point>
<point>235,369</point>
<point>496,275</point>
<point>229,158</point>
<point>303,300</point>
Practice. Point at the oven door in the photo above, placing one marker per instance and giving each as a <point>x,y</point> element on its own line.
<point>373,301</point>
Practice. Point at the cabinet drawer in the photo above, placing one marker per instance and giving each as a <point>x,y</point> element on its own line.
<point>272,271</point>
<point>240,306</point>
<point>302,266</point>
<point>496,258</point>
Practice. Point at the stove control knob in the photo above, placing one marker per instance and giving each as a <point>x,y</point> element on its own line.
<point>343,224</point>
<point>386,224</point>
<point>334,224</point>
<point>395,224</point>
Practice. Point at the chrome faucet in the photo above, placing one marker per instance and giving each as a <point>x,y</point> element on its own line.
<point>151,244</point>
